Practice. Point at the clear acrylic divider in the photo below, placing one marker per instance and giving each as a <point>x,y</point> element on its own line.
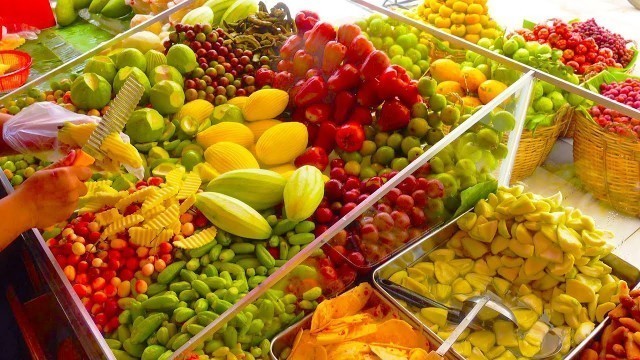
<point>282,278</point>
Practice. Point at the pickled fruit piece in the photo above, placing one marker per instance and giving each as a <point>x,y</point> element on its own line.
<point>537,332</point>
<point>505,333</point>
<point>527,349</point>
<point>526,318</point>
<point>501,286</point>
<point>474,248</point>
<point>483,340</point>
<point>435,315</point>
<point>580,291</point>
<point>442,292</point>
<point>442,255</point>
<point>461,286</point>
<point>445,273</point>
<point>478,282</point>
<point>533,301</point>
<point>462,265</point>
<point>415,286</point>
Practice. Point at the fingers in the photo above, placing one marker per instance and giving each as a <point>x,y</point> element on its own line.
<point>81,172</point>
<point>82,189</point>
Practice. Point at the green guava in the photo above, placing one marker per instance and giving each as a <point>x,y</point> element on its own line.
<point>90,91</point>
<point>226,113</point>
<point>167,97</point>
<point>103,66</point>
<point>131,57</point>
<point>127,71</point>
<point>182,58</point>
<point>145,125</point>
<point>165,72</point>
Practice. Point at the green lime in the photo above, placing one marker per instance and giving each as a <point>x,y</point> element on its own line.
<point>190,159</point>
<point>522,55</point>
<point>556,98</point>
<point>376,27</point>
<point>414,55</point>
<point>538,91</point>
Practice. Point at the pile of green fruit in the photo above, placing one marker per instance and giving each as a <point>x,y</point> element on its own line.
<point>17,168</point>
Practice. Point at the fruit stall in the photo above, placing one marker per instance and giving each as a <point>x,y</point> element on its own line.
<point>292,181</point>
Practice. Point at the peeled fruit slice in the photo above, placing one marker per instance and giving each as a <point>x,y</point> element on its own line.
<point>282,143</point>
<point>505,333</point>
<point>139,75</point>
<point>165,72</point>
<point>101,65</point>
<point>90,91</point>
<point>154,59</point>
<point>483,340</point>
<point>445,273</point>
<point>226,113</point>
<point>182,58</point>
<point>526,318</point>
<point>145,125</point>
<point>580,291</point>
<point>440,255</point>
<point>435,315</point>
<point>167,97</point>
<point>265,104</point>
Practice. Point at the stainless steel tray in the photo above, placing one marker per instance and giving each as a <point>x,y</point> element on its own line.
<point>286,337</point>
<point>422,248</point>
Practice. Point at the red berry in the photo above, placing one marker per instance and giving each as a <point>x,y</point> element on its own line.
<point>356,259</point>
<point>337,163</point>
<point>323,215</point>
<point>435,189</point>
<point>328,273</point>
<point>346,208</point>
<point>404,202</point>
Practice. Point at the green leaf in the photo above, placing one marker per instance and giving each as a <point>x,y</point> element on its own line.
<point>527,24</point>
<point>470,196</point>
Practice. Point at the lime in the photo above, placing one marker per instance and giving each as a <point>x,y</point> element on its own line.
<point>406,62</point>
<point>414,55</point>
<point>190,159</point>
<point>544,50</point>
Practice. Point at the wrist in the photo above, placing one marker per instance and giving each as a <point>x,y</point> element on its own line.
<point>24,207</point>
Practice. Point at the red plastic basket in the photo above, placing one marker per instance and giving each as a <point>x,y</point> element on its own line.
<point>21,62</point>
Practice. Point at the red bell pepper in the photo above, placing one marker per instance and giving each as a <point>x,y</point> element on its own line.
<point>361,115</point>
<point>390,84</point>
<point>326,138</point>
<point>301,63</point>
<point>334,53</point>
<point>394,115</point>
<point>314,156</point>
<point>314,90</point>
<point>305,20</point>
<point>321,33</point>
<point>342,106</point>
<point>347,32</point>
<point>345,78</point>
<point>374,65</point>
<point>350,136</point>
<point>367,94</point>
<point>358,50</point>
<point>317,113</point>
<point>289,48</point>
<point>283,80</point>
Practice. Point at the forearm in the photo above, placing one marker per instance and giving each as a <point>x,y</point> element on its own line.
<point>14,218</point>
<point>4,148</point>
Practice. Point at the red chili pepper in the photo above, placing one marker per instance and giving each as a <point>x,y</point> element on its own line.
<point>334,53</point>
<point>342,106</point>
<point>345,78</point>
<point>326,138</point>
<point>347,32</point>
<point>314,156</point>
<point>361,115</point>
<point>301,63</point>
<point>305,20</point>
<point>283,80</point>
<point>350,136</point>
<point>376,63</point>
<point>314,90</point>
<point>367,93</point>
<point>293,44</point>
<point>394,115</point>
<point>321,33</point>
<point>358,50</point>
<point>317,113</point>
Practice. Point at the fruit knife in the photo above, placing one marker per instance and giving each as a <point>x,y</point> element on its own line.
<point>116,116</point>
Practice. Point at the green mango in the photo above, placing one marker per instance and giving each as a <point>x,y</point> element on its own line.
<point>65,12</point>
<point>97,6</point>
<point>116,9</point>
<point>81,4</point>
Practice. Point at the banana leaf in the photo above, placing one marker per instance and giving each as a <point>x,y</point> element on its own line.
<point>470,196</point>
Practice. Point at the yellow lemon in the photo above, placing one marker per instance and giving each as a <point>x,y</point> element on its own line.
<point>471,78</point>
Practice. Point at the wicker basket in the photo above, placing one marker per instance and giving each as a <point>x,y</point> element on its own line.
<point>569,127</point>
<point>536,145</point>
<point>608,165</point>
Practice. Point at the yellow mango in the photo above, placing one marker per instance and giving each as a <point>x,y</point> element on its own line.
<point>482,268</point>
<point>524,290</point>
<point>463,348</point>
<point>416,274</point>
<point>486,232</point>
<point>541,242</point>
<point>499,244</point>
<point>461,286</point>
<point>583,331</point>
<point>398,277</point>
<point>580,291</point>
<point>554,254</point>
<point>259,127</point>
<point>477,281</point>
<point>442,255</point>
<point>550,231</point>
<point>483,208</point>
<point>463,265</point>
<point>505,333</point>
<point>522,235</point>
<point>509,273</point>
<point>467,221</point>
<point>503,230</point>
<point>520,249</point>
<point>534,265</point>
<point>525,318</point>
<point>442,292</point>
<point>483,340</point>
<point>504,207</point>
<point>537,332</point>
<point>533,225</point>
<point>435,315</point>
<point>555,200</point>
<point>493,262</point>
<point>542,206</point>
<point>568,241</point>
<point>426,267</point>
<point>509,261</point>
<point>527,349</point>
<point>445,273</point>
<point>474,249</point>
<point>493,200</point>
<point>522,205</point>
<point>533,302</point>
<point>603,309</point>
<point>501,286</point>
<point>411,284</point>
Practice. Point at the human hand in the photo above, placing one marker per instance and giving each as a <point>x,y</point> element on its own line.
<point>50,196</point>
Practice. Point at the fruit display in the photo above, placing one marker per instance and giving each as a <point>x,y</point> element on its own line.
<point>619,338</point>
<point>540,257</point>
<point>626,92</point>
<point>372,330</point>
<point>258,131</point>
<point>468,19</point>
<point>586,47</point>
